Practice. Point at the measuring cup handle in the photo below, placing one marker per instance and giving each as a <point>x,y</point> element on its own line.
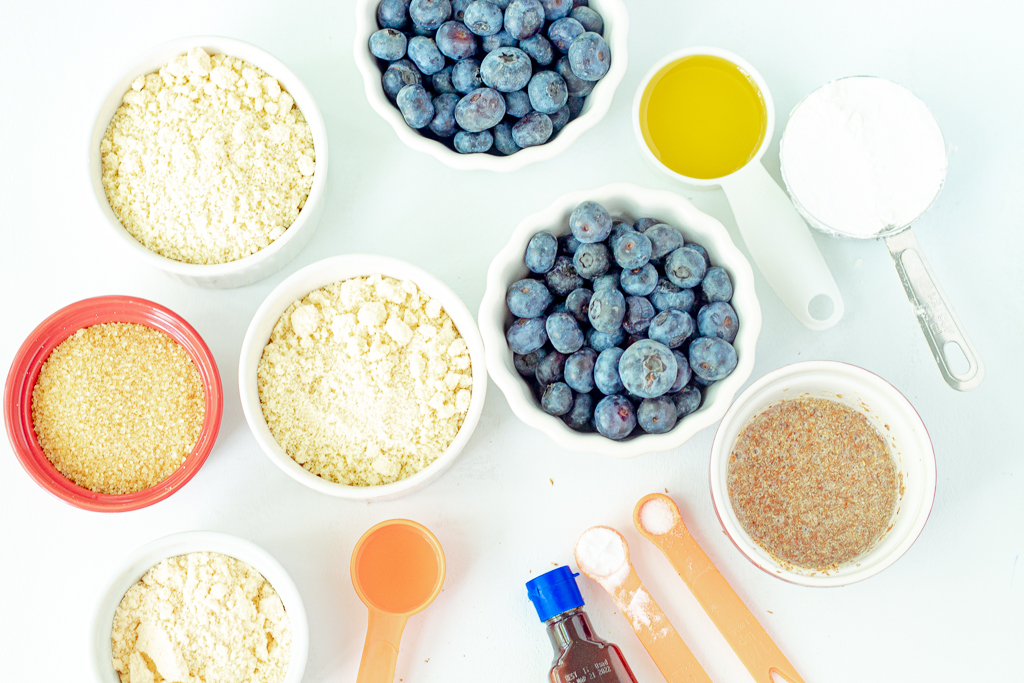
<point>380,651</point>
<point>936,317</point>
<point>782,245</point>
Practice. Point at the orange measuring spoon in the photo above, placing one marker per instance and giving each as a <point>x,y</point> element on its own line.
<point>397,570</point>
<point>745,635</point>
<point>661,640</point>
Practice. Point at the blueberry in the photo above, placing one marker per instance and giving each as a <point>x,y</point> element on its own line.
<point>633,250</point>
<point>687,400</point>
<point>466,76</point>
<point>702,251</point>
<point>533,129</point>
<point>539,49</point>
<point>592,260</point>
<point>577,86</point>
<point>580,3</point>
<point>416,106</point>
<point>579,418</point>
<point>557,399</point>
<point>443,124</point>
<point>609,281</point>
<point>523,18</point>
<point>683,373</point>
<point>442,81</point>
<point>590,19</point>
<point>671,327</point>
<point>506,69</point>
<point>589,56</point>
<point>425,32</point>
<point>606,371</point>
<point>601,341</point>
<point>579,370</point>
<point>639,281</point>
<point>642,224</point>
<point>547,92</point>
<point>563,278</point>
<point>578,303</point>
<point>560,118</point>
<point>718,319</point>
<point>430,14</point>
<point>667,296</point>
<point>664,239</point>
<point>563,32</point>
<point>557,307</point>
<point>398,75</point>
<point>564,332</point>
<point>388,44</point>
<point>483,18</point>
<point>590,222</point>
<point>424,54</point>
<point>551,368</point>
<point>473,143</point>
<point>556,9</point>
<point>567,244</point>
<point>712,359</point>
<point>619,228</point>
<point>503,141</point>
<point>459,8</point>
<point>656,415</point>
<point>606,311</point>
<point>527,298</point>
<point>526,335</point>
<point>648,369</point>
<point>479,110</point>
<point>526,364</point>
<point>639,313</point>
<point>499,39</point>
<point>393,13</point>
<point>455,41</point>
<point>717,285</point>
<point>517,103</point>
<point>685,267</point>
<point>541,252</point>
<point>614,417</point>
<point>575,104</point>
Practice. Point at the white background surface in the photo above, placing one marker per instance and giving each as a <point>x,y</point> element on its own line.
<point>952,608</point>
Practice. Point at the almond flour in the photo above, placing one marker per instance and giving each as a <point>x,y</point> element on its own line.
<point>201,618</point>
<point>365,381</point>
<point>207,160</point>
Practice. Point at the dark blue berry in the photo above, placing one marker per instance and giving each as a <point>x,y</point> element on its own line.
<point>473,143</point>
<point>702,251</point>
<point>592,260</point>
<point>606,311</point>
<point>589,56</point>
<point>393,13</point>
<point>606,371</point>
<point>582,413</point>
<point>523,18</point>
<point>430,14</point>
<point>590,19</point>
<point>664,239</point>
<point>601,341</point>
<point>541,252</point>
<point>479,110</point>
<point>539,49</point>
<point>575,104</point>
<point>557,399</point>
<point>609,281</point>
<point>455,41</point>
<point>416,106</point>
<point>568,244</point>
<point>503,141</point>
<point>642,224</point>
<point>578,303</point>
<point>718,319</point>
<point>557,307</point>
<point>526,335</point>
<point>422,31</point>
<point>639,281</point>
<point>499,39</point>
<point>648,369</point>
<point>712,359</point>
<point>590,222</point>
<point>560,118</point>
<point>533,129</point>
<point>443,124</point>
<point>561,33</point>
<point>551,368</point>
<point>683,372</point>
<point>547,92</point>
<point>388,44</point>
<point>424,54</point>
<point>579,370</point>
<point>556,9</point>
<point>639,313</point>
<point>564,332</point>
<point>563,278</point>
<point>615,417</point>
<point>656,415</point>
<point>526,364</point>
<point>398,75</point>
<point>483,18</point>
<point>671,327</point>
<point>667,296</point>
<point>717,285</point>
<point>577,86</point>
<point>687,400</point>
<point>459,8</point>
<point>517,103</point>
<point>506,69</point>
<point>527,298</point>
<point>632,250</point>
<point>466,76</point>
<point>442,81</point>
<point>685,267</point>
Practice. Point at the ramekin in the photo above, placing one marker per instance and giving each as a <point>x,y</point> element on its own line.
<point>616,26</point>
<point>37,348</point>
<point>892,416</point>
<point>631,202</point>
<point>145,558</point>
<point>315,276</point>
<point>266,261</point>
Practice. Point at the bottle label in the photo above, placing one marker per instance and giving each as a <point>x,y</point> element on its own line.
<point>594,672</point>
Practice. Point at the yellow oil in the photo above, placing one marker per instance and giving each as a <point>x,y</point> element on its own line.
<point>703,117</point>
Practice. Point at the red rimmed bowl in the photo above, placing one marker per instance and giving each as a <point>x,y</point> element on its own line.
<point>37,348</point>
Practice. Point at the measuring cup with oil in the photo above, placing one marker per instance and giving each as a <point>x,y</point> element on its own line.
<point>705,117</point>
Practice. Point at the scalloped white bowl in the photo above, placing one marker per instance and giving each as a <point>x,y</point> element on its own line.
<point>631,202</point>
<point>145,558</point>
<point>616,26</point>
<point>274,256</point>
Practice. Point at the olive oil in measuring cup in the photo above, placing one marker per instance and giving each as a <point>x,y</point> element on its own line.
<point>703,117</point>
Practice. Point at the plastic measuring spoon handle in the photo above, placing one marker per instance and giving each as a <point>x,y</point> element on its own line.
<point>380,651</point>
<point>938,321</point>
<point>781,244</point>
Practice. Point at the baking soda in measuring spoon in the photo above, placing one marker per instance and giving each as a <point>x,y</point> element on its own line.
<point>862,156</point>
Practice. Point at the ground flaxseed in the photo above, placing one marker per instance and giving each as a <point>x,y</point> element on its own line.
<point>812,482</point>
<point>117,407</point>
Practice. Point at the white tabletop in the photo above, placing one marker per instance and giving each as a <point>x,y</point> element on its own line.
<point>514,504</point>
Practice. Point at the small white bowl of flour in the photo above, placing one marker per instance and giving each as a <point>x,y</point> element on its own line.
<point>362,377</point>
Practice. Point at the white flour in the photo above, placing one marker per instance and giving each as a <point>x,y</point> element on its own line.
<point>863,154</point>
<point>656,517</point>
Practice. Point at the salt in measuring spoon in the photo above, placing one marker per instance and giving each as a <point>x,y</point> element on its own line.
<point>657,517</point>
<point>602,555</point>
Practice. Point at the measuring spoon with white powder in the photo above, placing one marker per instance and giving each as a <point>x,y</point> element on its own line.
<point>602,555</point>
<point>864,158</point>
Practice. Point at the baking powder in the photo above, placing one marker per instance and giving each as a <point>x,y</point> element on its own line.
<point>656,517</point>
<point>601,554</point>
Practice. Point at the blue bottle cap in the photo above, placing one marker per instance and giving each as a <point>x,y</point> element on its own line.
<point>554,592</point>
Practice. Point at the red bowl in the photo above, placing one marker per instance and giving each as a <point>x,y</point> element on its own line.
<point>37,348</point>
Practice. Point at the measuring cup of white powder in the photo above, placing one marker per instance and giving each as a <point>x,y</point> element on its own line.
<point>864,158</point>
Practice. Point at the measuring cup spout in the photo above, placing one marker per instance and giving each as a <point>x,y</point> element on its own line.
<point>380,651</point>
<point>781,245</point>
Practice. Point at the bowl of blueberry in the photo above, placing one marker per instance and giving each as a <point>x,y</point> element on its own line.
<point>620,320</point>
<point>491,84</point>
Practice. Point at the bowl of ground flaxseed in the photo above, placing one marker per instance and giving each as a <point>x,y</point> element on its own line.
<point>822,473</point>
<point>113,403</point>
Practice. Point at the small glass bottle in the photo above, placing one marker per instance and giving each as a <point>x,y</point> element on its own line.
<point>580,656</point>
